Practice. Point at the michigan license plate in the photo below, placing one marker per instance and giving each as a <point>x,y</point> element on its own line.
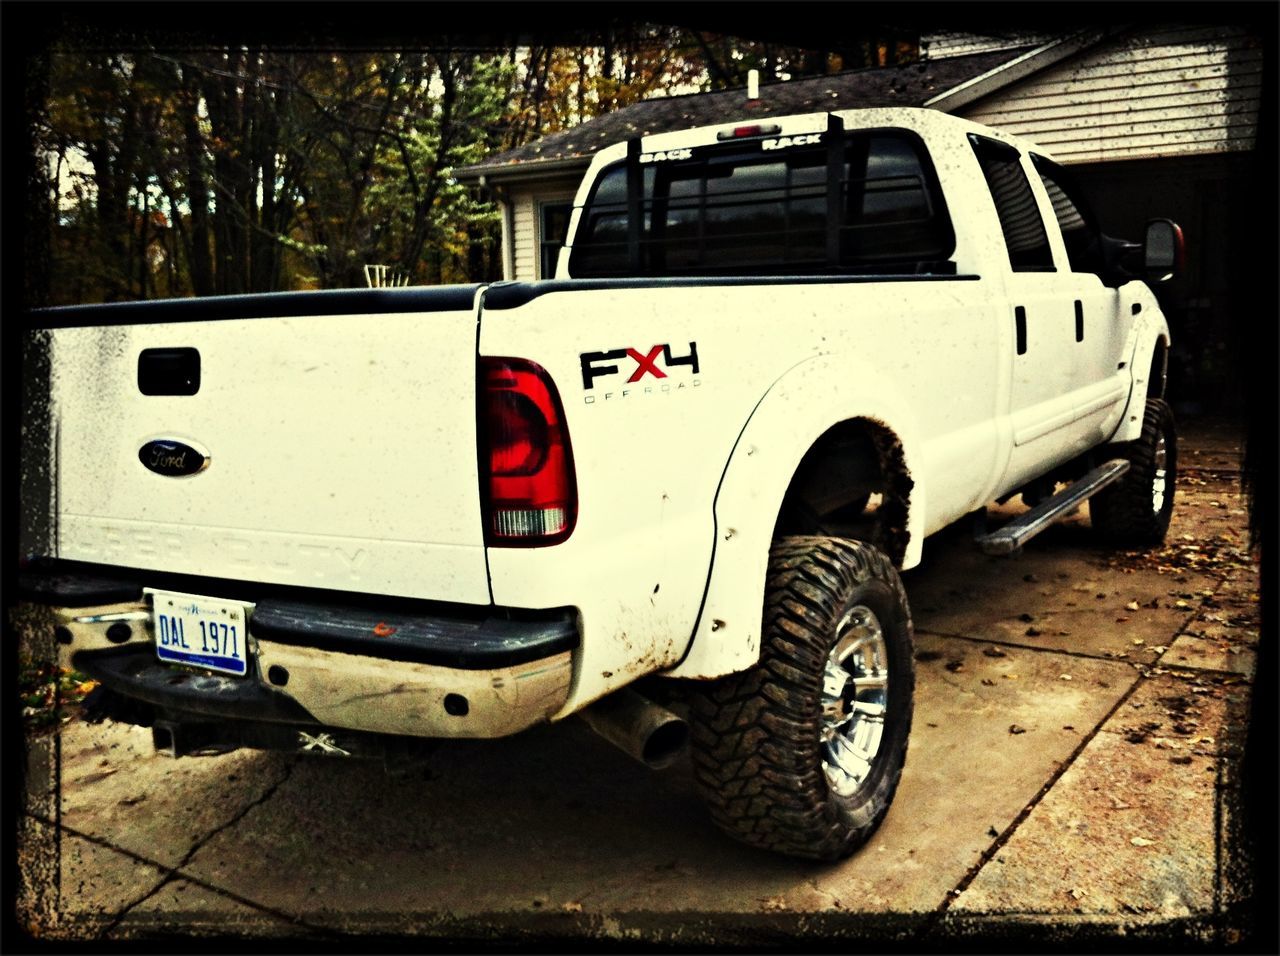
<point>200,631</point>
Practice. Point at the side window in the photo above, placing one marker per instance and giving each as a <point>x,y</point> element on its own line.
<point>1020,220</point>
<point>553,225</point>
<point>1075,219</point>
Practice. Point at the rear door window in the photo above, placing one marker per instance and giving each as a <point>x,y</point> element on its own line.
<point>1020,221</point>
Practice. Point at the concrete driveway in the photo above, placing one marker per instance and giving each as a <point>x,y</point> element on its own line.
<point>1074,763</point>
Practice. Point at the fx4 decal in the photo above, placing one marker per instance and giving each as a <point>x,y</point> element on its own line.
<point>646,363</point>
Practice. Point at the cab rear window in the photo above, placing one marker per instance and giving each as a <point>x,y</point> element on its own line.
<point>872,205</point>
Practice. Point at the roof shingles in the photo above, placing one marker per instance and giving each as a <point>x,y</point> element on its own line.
<point>909,85</point>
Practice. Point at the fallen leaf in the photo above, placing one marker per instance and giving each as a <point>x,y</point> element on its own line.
<point>99,775</point>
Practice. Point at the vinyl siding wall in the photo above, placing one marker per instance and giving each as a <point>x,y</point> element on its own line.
<point>1172,91</point>
<point>524,231</point>
<point>939,46</point>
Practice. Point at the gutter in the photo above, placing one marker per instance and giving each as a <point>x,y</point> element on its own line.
<point>1033,61</point>
<point>525,170</point>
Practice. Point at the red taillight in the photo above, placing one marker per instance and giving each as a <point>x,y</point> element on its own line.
<point>525,458</point>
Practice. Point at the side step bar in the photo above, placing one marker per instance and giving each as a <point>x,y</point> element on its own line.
<point>1011,537</point>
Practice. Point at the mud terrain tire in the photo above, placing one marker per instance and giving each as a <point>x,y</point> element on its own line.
<point>1135,511</point>
<point>764,751</point>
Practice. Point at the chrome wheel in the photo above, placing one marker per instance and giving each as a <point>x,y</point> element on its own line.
<point>1158,482</point>
<point>855,693</point>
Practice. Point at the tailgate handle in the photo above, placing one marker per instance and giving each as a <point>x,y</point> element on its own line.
<point>169,371</point>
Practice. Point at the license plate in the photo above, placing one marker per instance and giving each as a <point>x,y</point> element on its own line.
<point>201,631</point>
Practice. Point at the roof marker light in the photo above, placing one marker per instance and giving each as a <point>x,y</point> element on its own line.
<point>758,129</point>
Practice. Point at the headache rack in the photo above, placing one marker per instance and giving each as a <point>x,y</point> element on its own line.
<point>842,203</point>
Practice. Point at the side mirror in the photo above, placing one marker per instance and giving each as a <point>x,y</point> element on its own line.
<point>1164,253</point>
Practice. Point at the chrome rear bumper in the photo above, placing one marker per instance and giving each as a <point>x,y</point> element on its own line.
<point>404,668</point>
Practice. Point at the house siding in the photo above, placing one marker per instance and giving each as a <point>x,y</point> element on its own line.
<point>524,234</point>
<point>940,46</point>
<point>1172,91</point>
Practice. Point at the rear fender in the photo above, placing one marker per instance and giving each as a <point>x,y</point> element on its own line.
<point>796,411</point>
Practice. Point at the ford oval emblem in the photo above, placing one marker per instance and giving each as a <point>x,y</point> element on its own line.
<point>172,458</point>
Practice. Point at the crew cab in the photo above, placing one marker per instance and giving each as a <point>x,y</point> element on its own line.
<point>777,356</point>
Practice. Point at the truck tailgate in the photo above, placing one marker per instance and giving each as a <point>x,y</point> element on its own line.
<point>340,432</point>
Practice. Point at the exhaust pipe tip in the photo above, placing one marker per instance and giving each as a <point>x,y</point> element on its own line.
<point>665,744</point>
<point>643,730</point>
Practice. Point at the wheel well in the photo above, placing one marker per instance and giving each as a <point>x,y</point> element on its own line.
<point>853,483</point>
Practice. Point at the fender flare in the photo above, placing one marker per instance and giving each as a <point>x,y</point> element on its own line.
<point>1151,333</point>
<point>794,413</point>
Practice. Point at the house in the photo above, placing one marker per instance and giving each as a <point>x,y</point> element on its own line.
<point>1157,120</point>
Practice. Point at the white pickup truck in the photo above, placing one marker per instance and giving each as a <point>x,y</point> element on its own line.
<point>777,356</point>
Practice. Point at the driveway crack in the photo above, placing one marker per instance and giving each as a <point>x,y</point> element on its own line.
<point>931,923</point>
<point>175,872</point>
